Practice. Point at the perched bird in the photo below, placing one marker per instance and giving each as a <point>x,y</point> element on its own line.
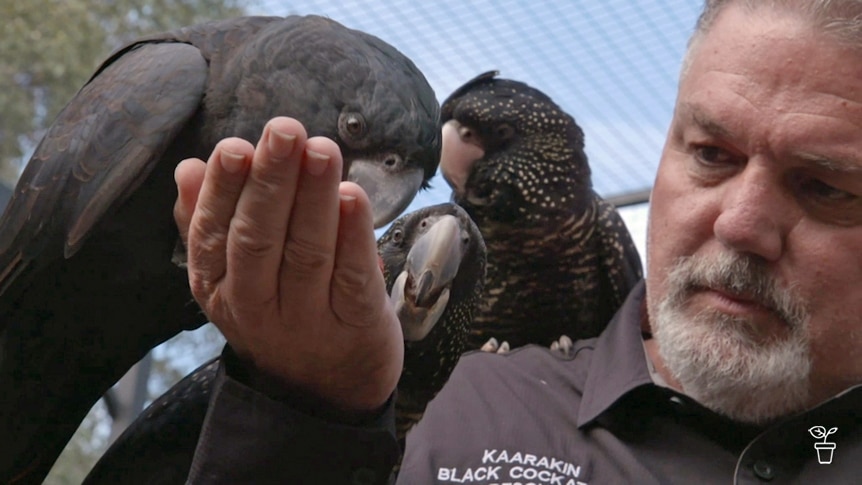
<point>560,259</point>
<point>433,261</point>
<point>87,283</point>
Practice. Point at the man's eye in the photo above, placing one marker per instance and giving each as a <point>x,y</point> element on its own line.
<point>710,164</point>
<point>828,203</point>
<point>824,191</point>
<point>712,155</point>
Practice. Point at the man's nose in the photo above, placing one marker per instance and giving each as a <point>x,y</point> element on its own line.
<point>754,214</point>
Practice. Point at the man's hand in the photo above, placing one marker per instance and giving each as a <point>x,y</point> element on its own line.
<point>282,258</point>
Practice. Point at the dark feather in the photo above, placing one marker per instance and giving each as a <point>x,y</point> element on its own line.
<point>560,259</point>
<point>428,361</point>
<point>87,283</point>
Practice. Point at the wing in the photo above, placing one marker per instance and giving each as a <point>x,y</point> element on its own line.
<point>160,444</point>
<point>620,259</point>
<point>100,148</point>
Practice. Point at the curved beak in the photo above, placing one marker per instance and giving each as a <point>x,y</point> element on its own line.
<point>421,291</point>
<point>459,152</point>
<point>390,188</point>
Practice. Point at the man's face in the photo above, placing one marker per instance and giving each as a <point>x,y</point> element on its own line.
<point>754,251</point>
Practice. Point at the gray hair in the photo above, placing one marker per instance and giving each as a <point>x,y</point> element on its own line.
<point>839,18</point>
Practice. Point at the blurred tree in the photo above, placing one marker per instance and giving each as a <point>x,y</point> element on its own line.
<point>82,451</point>
<point>49,48</point>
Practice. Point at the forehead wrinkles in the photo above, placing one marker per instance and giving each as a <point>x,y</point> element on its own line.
<point>786,66</point>
<point>712,103</point>
<point>735,108</point>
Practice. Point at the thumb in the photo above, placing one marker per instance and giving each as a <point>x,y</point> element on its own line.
<point>189,176</point>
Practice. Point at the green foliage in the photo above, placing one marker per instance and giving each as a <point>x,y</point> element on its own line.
<point>49,48</point>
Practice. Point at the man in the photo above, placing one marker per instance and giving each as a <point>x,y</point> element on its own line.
<point>739,354</point>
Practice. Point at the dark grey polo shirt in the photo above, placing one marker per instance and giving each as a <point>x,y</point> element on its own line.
<point>534,417</point>
<point>250,437</point>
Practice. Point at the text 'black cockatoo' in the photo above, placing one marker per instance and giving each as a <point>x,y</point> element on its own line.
<point>433,261</point>
<point>87,285</point>
<point>560,259</point>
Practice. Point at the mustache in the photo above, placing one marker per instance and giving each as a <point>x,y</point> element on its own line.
<point>738,275</point>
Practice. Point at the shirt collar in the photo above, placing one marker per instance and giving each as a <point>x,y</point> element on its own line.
<point>618,364</point>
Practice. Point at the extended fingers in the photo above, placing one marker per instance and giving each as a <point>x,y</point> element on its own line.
<point>207,234</point>
<point>309,249</point>
<point>259,225</point>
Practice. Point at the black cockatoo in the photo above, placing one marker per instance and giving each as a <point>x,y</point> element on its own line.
<point>560,259</point>
<point>433,261</point>
<point>87,283</point>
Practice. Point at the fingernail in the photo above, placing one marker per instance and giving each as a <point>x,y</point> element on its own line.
<point>348,203</point>
<point>280,144</point>
<point>316,163</point>
<point>232,162</point>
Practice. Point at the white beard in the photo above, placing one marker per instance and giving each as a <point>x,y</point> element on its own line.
<point>715,357</point>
